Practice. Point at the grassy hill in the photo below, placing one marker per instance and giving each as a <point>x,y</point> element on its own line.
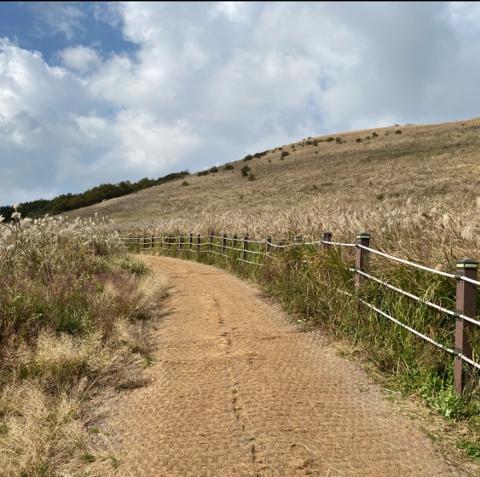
<point>398,182</point>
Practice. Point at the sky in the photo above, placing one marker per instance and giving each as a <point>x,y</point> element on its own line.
<point>104,92</point>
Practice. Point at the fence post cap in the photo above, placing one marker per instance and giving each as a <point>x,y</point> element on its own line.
<point>363,235</point>
<point>467,263</point>
<point>327,233</point>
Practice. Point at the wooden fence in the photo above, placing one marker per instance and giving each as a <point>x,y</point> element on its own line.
<point>255,252</point>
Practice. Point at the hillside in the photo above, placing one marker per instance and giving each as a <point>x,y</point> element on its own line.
<point>417,178</point>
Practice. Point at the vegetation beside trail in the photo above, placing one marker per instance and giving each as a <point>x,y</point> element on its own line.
<point>306,281</point>
<point>74,318</point>
<point>67,202</point>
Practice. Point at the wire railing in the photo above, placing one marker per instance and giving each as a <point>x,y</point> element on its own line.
<point>257,252</point>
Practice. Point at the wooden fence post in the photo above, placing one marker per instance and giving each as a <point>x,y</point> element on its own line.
<point>210,240</point>
<point>234,243</point>
<point>198,242</point>
<point>361,257</point>
<point>179,242</point>
<point>327,237</point>
<point>268,242</point>
<point>245,247</point>
<point>466,301</point>
<point>298,239</point>
<point>224,242</point>
<point>190,241</point>
<point>161,241</point>
<point>151,241</point>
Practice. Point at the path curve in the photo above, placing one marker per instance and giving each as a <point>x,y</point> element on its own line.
<point>237,391</point>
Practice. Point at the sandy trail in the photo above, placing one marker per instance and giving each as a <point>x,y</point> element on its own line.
<point>237,391</point>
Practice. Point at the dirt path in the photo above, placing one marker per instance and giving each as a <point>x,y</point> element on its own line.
<point>237,391</point>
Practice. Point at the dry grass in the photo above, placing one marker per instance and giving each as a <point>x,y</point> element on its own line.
<point>421,183</point>
<point>75,313</point>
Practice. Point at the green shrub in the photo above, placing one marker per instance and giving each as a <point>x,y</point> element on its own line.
<point>213,170</point>
<point>245,170</point>
<point>398,131</point>
<point>359,139</point>
<point>228,167</point>
<point>248,157</point>
<point>185,183</point>
<point>338,140</point>
<point>203,173</point>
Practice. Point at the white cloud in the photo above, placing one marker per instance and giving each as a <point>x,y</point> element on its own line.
<point>208,83</point>
<point>58,18</point>
<point>234,11</point>
<point>56,135</point>
<point>80,58</point>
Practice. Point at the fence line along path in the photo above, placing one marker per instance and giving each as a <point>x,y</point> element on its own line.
<point>254,252</point>
<point>235,390</point>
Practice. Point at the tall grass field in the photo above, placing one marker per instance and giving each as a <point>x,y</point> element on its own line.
<point>74,317</point>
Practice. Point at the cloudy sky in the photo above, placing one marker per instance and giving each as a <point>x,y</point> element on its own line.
<point>99,92</point>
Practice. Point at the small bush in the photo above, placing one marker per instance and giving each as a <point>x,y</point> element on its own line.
<point>203,173</point>
<point>228,167</point>
<point>398,131</point>
<point>251,176</point>
<point>245,170</point>
<point>213,169</point>
<point>330,139</point>
<point>283,155</point>
<point>248,157</point>
<point>338,140</point>
<point>374,134</point>
<point>359,139</point>
<point>185,183</point>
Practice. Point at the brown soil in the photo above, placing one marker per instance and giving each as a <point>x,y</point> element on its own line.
<point>235,390</point>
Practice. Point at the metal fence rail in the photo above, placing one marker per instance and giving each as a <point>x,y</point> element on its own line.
<point>256,252</point>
